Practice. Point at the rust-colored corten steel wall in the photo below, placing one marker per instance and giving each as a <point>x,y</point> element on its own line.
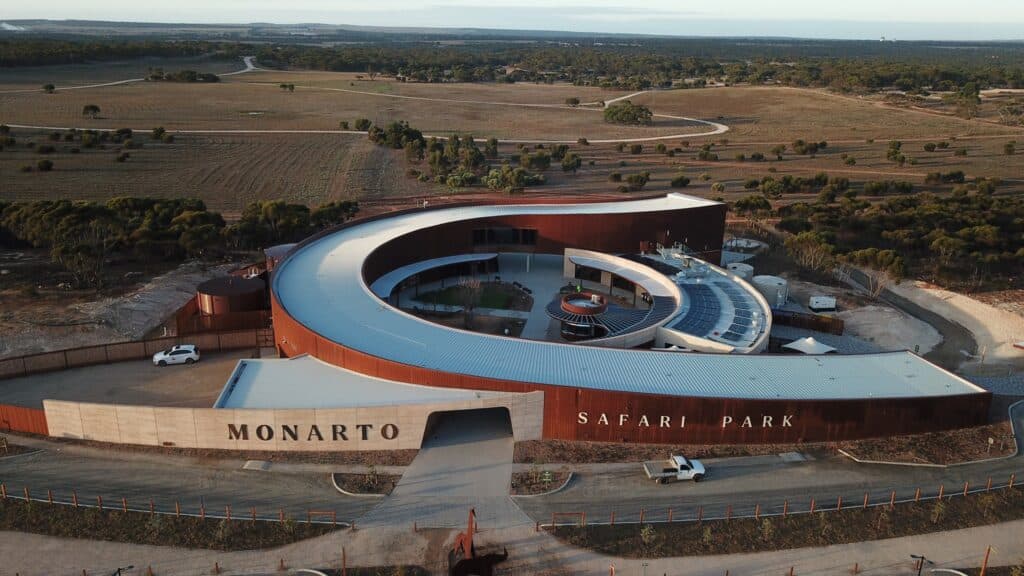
<point>634,417</point>
<point>21,419</point>
<point>700,228</point>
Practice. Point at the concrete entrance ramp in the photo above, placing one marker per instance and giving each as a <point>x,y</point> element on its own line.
<point>465,462</point>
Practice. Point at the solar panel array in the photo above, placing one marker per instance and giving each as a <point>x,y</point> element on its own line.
<point>703,313</point>
<point>743,317</point>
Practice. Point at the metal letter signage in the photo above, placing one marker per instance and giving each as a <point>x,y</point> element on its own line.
<point>298,433</point>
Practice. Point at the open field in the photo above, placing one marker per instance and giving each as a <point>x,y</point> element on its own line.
<point>226,171</point>
<point>33,77</point>
<point>230,170</point>
<point>257,103</point>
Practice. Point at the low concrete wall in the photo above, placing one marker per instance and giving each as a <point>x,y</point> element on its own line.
<point>392,427</point>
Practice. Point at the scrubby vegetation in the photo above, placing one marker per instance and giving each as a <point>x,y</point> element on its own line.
<point>626,112</point>
<point>84,237</point>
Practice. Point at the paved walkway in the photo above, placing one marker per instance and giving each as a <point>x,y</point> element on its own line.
<point>465,463</point>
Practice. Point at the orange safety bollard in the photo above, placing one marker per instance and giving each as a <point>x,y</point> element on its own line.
<point>642,511</point>
<point>917,495</point>
<point>785,508</point>
<point>988,485</point>
<point>74,498</point>
<point>757,511</point>
<point>99,502</point>
<point>49,496</point>
<point>839,503</point>
<point>124,504</point>
<point>966,485</point>
<point>3,491</point>
<point>865,500</point>
<point>892,499</point>
<point>812,505</point>
<point>26,494</point>
<point>670,515</point>
<point>942,490</point>
<point>177,508</point>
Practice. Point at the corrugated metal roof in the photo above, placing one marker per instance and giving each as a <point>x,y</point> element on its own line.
<point>316,384</point>
<point>321,286</point>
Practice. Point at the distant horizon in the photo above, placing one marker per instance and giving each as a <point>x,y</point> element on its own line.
<point>553,31</point>
<point>910,20</point>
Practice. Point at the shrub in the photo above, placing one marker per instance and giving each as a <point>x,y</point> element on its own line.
<point>757,157</point>
<point>363,124</point>
<point>751,183</point>
<point>705,176</point>
<point>582,142</point>
<point>44,165</point>
<point>740,157</point>
<point>157,133</point>
<point>929,147</point>
<point>615,177</point>
<point>942,145</point>
<point>1010,148</point>
<point>167,138</point>
<point>638,181</point>
<point>636,148</point>
<point>622,190</point>
<point>718,187</point>
<point>850,161</point>
<point>680,181</point>
<point>960,152</point>
<point>343,124</point>
<point>660,148</point>
<point>620,147</point>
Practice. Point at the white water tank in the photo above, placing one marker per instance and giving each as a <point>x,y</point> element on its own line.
<point>745,271</point>
<point>774,289</point>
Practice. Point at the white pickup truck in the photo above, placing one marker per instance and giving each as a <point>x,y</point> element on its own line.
<point>675,468</point>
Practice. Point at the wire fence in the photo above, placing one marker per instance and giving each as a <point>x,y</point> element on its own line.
<point>787,507</point>
<point>176,508</point>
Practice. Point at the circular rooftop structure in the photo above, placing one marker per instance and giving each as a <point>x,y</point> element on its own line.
<point>328,302</point>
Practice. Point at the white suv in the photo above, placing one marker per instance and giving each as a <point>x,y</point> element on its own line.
<point>180,354</point>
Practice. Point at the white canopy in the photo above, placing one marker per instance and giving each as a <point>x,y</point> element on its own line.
<point>809,346</point>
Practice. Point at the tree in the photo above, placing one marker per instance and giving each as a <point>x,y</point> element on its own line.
<point>90,110</point>
<point>49,88</point>
<point>625,112</point>
<point>491,148</point>
<point>810,250</point>
<point>679,181</point>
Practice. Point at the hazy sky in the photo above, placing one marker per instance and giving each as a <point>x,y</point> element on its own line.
<point>901,19</point>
